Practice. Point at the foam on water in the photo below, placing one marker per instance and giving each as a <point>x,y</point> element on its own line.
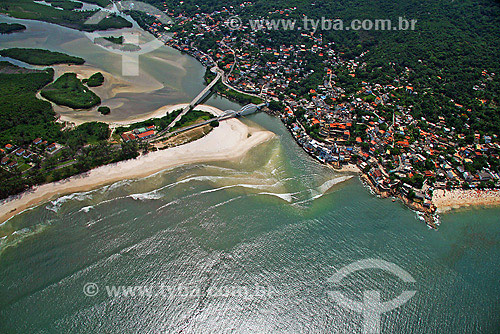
<point>56,204</point>
<point>19,236</point>
<point>146,196</point>
<point>286,197</point>
<point>86,209</point>
<point>330,183</point>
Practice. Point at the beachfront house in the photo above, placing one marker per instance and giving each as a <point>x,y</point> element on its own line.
<point>146,135</point>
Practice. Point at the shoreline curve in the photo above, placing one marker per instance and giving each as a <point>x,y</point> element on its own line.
<point>231,140</point>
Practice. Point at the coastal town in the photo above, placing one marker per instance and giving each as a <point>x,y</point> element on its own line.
<point>249,166</point>
<point>330,106</point>
<point>339,119</point>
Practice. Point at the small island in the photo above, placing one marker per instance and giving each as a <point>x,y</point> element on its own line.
<point>95,80</point>
<point>117,43</point>
<point>69,91</point>
<point>115,40</point>
<point>41,57</point>
<point>8,28</point>
<point>104,110</point>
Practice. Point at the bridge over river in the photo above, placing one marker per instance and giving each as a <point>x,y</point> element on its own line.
<point>246,110</point>
<point>195,101</point>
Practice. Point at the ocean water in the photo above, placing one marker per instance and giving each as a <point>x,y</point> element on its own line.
<point>243,246</point>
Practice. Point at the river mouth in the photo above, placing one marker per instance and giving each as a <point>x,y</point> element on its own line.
<point>166,76</point>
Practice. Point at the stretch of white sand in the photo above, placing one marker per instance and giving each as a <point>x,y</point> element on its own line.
<point>112,84</point>
<point>446,200</point>
<point>159,113</point>
<point>351,168</point>
<point>232,139</point>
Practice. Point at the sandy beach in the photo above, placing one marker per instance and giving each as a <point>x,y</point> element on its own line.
<point>446,200</point>
<point>349,168</point>
<point>112,84</point>
<point>159,113</point>
<point>231,140</point>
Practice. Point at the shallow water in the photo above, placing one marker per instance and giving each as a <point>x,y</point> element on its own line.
<point>180,74</point>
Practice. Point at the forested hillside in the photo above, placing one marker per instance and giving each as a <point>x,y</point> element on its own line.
<point>451,57</point>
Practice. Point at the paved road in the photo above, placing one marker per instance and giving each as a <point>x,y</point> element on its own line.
<point>195,101</point>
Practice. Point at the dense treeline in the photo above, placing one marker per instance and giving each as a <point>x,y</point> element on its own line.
<point>40,57</point>
<point>7,28</point>
<point>28,9</point>
<point>114,40</point>
<point>104,110</point>
<point>159,123</point>
<point>102,3</point>
<point>23,117</point>
<point>64,4</point>
<point>87,133</point>
<point>95,80</point>
<point>69,91</point>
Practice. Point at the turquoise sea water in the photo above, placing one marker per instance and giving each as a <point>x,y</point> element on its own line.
<point>262,221</point>
<point>255,240</point>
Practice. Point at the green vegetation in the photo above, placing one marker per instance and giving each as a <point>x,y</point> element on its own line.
<point>23,117</point>
<point>144,20</point>
<point>95,80</point>
<point>104,110</point>
<point>115,40</point>
<point>192,117</point>
<point>444,57</point>
<point>7,28</point>
<point>214,124</point>
<point>64,4</point>
<point>87,133</point>
<point>236,96</point>
<point>86,158</point>
<point>40,57</point>
<point>276,106</point>
<point>229,93</point>
<point>28,9</point>
<point>69,91</point>
<point>160,123</point>
<point>102,3</point>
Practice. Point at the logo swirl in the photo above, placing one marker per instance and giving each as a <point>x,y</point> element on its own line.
<point>372,307</point>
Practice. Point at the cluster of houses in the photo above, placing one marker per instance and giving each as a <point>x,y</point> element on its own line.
<point>13,156</point>
<point>395,151</point>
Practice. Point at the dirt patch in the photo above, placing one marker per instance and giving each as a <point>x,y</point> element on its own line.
<point>185,137</point>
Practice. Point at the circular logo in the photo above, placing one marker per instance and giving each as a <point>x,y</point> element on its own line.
<point>90,289</point>
<point>234,22</point>
<point>371,307</point>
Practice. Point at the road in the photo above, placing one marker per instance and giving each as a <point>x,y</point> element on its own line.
<point>195,101</point>
<point>226,115</point>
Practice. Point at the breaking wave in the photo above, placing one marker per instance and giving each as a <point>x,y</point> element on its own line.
<point>286,197</point>
<point>56,204</point>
